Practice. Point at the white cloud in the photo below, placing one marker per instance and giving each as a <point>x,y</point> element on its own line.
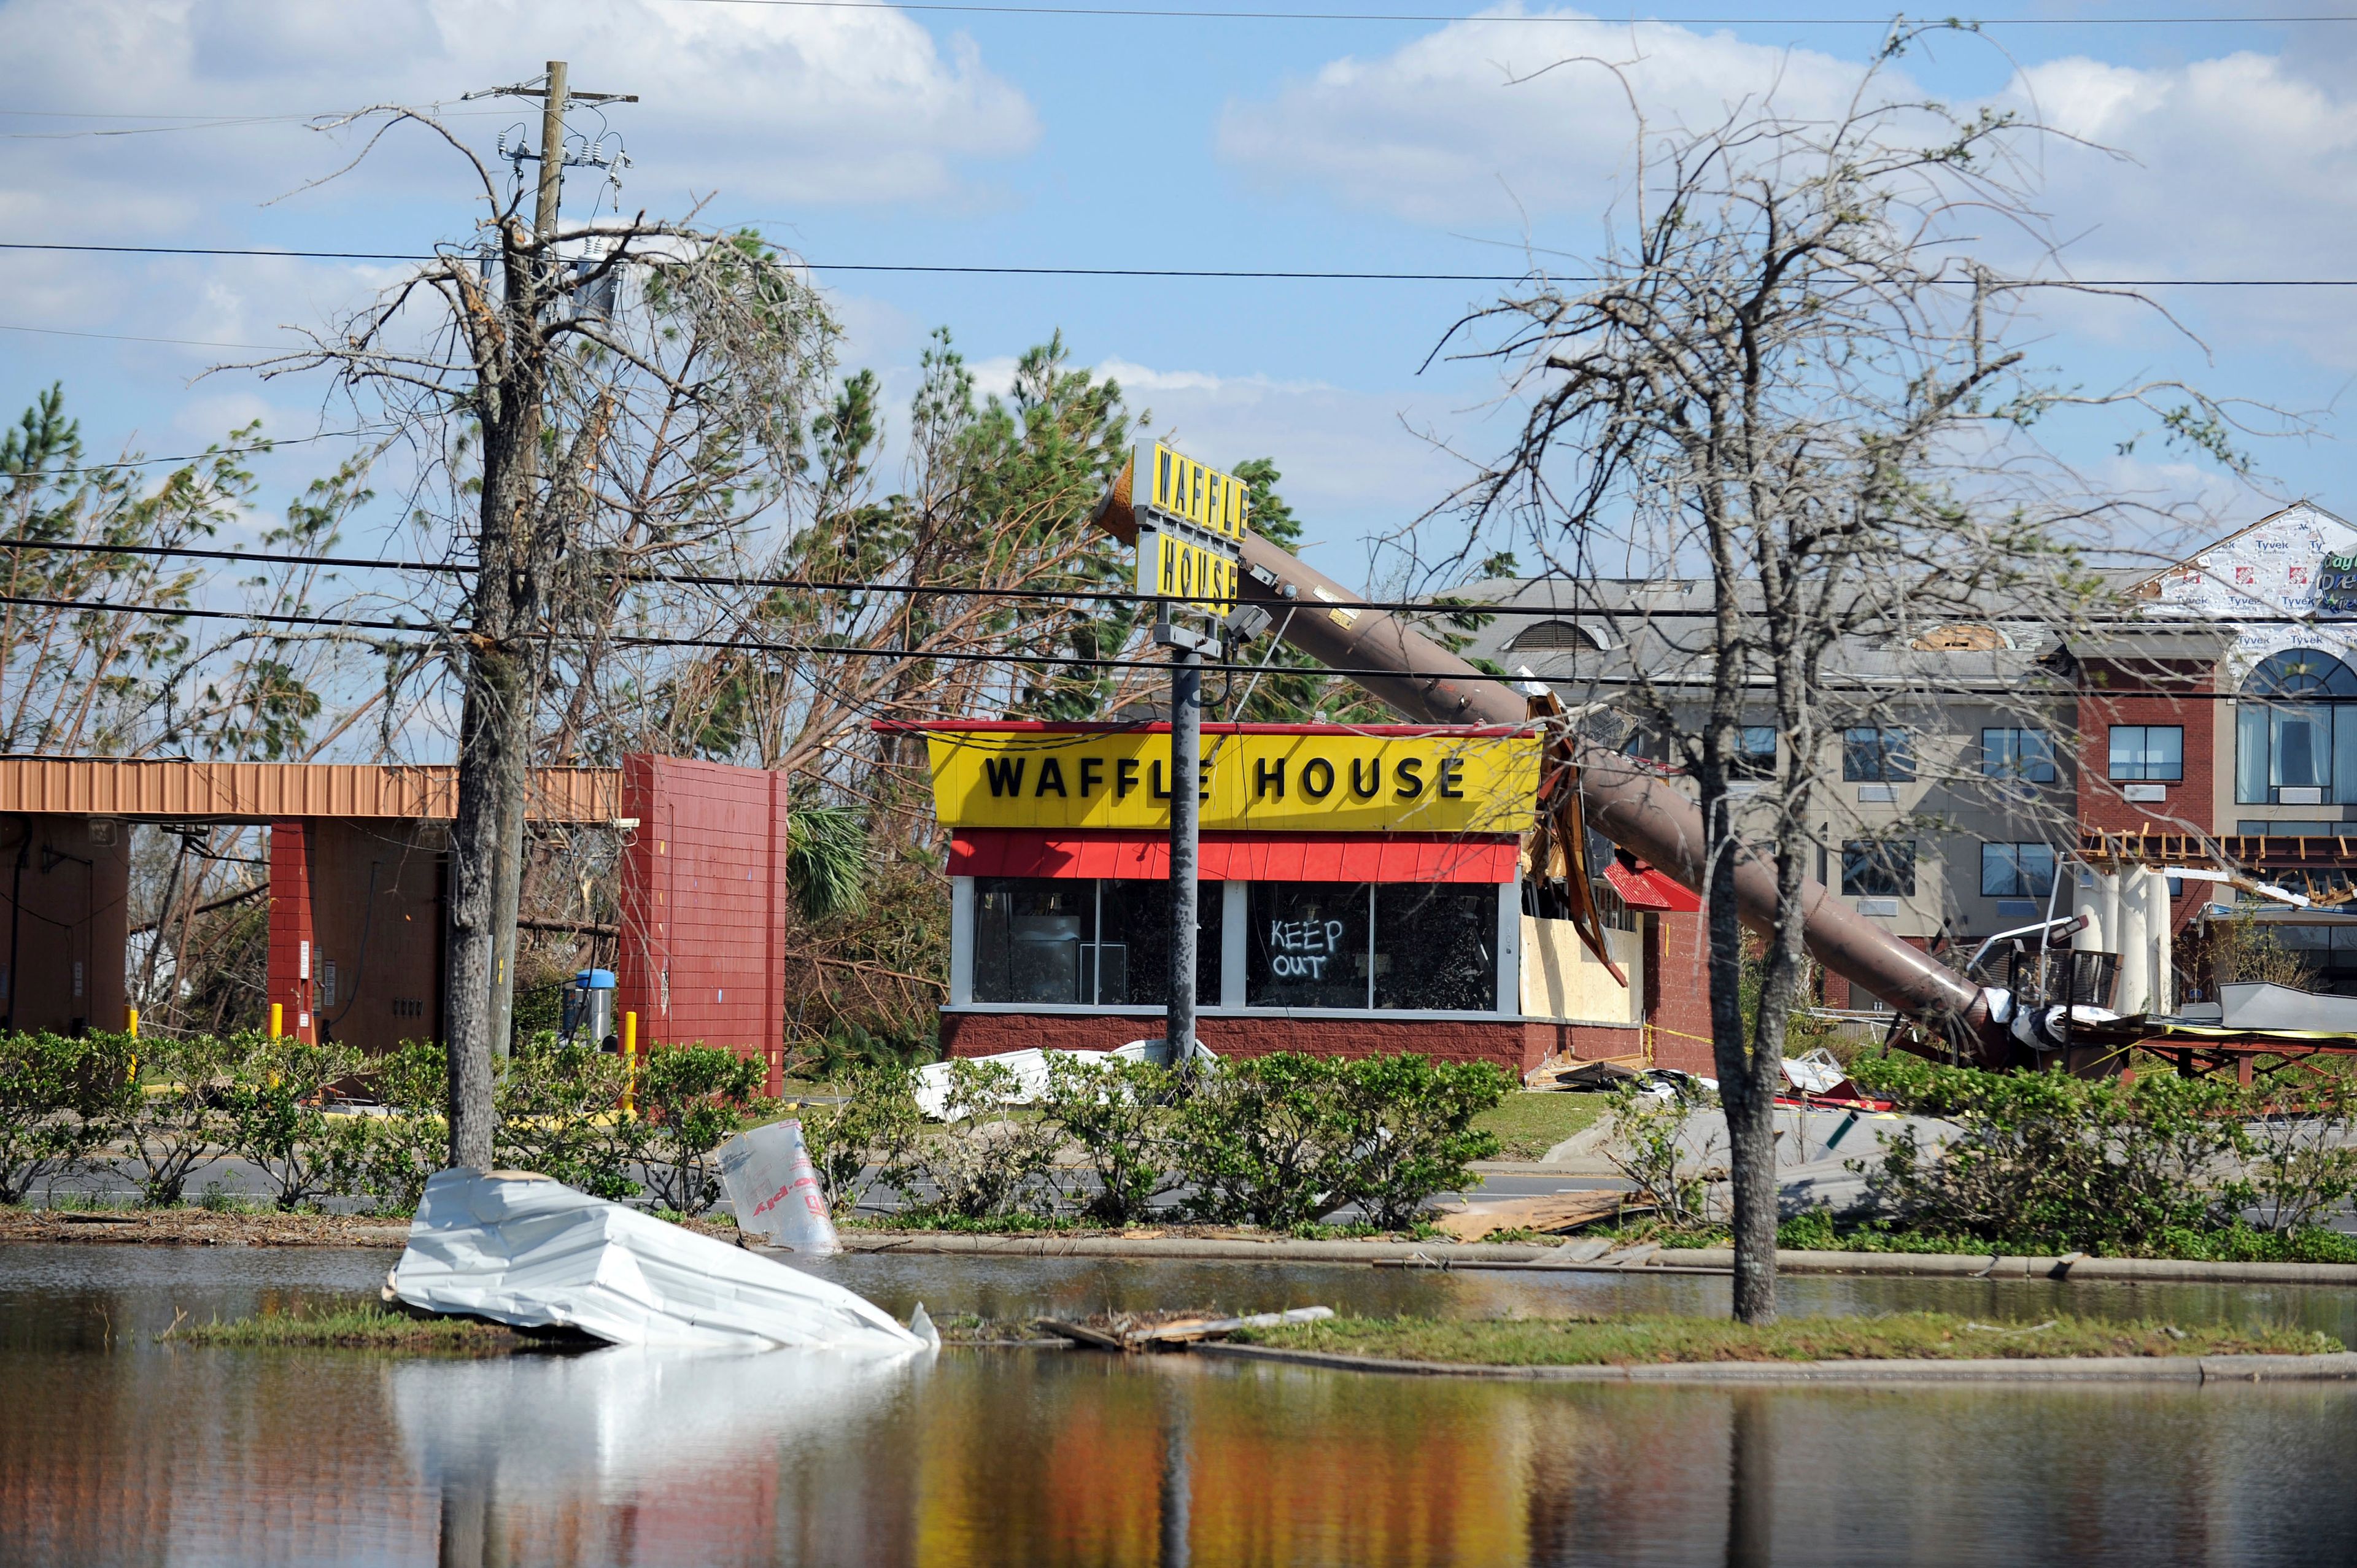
<point>1355,466</point>
<point>763,102</point>
<point>1469,124</point>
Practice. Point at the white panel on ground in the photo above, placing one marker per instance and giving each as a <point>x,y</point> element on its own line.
<point>528,1251</point>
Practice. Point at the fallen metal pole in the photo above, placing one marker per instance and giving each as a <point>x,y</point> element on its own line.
<point>1627,801</point>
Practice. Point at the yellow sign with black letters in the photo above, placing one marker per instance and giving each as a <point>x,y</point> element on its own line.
<point>1252,781</point>
<point>1170,483</point>
<point>1171,565</point>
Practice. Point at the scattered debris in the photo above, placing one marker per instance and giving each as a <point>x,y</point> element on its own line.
<point>529,1251</point>
<point>1029,1067</point>
<point>775,1191</point>
<point>1550,1215</point>
<point>1138,1331</point>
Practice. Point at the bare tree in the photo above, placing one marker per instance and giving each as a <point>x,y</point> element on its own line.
<point>514,365</point>
<point>1799,387</point>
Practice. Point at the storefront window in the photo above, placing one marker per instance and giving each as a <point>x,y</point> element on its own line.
<point>1029,935</point>
<point>1309,944</point>
<point>1420,946</point>
<point>1437,947</point>
<point>1081,942</point>
<point>1134,951</point>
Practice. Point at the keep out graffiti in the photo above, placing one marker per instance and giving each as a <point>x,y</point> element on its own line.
<point>1300,949</point>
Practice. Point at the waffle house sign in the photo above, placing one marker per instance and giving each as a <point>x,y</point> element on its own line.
<point>1289,780</point>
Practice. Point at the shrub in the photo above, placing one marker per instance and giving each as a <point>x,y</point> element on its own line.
<point>1118,1112</point>
<point>1264,1141</point>
<point>989,1158</point>
<point>1646,1149</point>
<point>1409,1130</point>
<point>2043,1159</point>
<point>2303,1167</point>
<point>560,1114</point>
<point>275,1106</point>
<point>409,1142</point>
<point>875,1127</point>
<point>696,1099</point>
<point>60,1099</point>
<point>174,1127</point>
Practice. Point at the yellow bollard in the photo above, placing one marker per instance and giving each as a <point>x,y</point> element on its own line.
<point>277,1020</point>
<point>131,1022</point>
<point>630,1064</point>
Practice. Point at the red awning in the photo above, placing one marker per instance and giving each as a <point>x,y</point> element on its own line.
<point>1237,857</point>
<point>1649,889</point>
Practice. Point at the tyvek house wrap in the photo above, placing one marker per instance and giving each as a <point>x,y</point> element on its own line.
<point>528,1251</point>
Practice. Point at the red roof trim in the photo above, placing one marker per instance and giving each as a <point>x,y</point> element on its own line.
<point>1036,726</point>
<point>1650,889</point>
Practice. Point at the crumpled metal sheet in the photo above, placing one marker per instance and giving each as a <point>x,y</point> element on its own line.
<point>528,1251</point>
<point>1029,1066</point>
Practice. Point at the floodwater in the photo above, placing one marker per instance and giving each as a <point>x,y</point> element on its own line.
<point>116,1450</point>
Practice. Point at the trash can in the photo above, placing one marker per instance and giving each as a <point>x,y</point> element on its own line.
<point>589,1009</point>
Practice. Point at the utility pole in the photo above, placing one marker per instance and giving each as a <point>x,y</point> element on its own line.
<point>514,548</point>
<point>1186,772</point>
<point>507,871</point>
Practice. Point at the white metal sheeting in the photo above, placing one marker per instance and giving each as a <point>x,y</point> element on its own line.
<point>1029,1067</point>
<point>528,1251</point>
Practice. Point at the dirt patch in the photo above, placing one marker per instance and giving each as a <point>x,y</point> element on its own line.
<point>209,1228</point>
<point>201,1228</point>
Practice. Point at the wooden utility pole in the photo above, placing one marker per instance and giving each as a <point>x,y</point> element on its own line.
<point>514,549</point>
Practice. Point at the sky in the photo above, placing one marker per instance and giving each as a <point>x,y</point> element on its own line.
<point>2207,147</point>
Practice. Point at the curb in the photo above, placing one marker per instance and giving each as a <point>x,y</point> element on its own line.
<point>1445,1255</point>
<point>1275,1251</point>
<point>2194,1370</point>
<point>1951,1265</point>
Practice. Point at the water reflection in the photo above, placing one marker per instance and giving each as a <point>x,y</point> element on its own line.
<point>141,1454</point>
<point>698,1456</point>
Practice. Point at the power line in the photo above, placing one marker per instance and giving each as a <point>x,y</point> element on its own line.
<point>1242,273</point>
<point>1880,23</point>
<point>273,444</point>
<point>1613,619</point>
<point>132,338</point>
<point>1081,661</point>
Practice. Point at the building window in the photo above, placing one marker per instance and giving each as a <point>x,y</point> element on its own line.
<point>1878,868</point>
<point>1310,944</point>
<point>1419,947</point>
<point>2017,870</point>
<point>1437,946</point>
<point>1877,756</point>
<point>2294,733</point>
<point>1754,752</point>
<point>2024,753</point>
<point>1075,941</point>
<point>2148,752</point>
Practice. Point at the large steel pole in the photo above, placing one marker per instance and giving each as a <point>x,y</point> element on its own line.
<point>1186,768</point>
<point>1625,802</point>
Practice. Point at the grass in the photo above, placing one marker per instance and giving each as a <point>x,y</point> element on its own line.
<point>366,1327</point>
<point>1818,1232</point>
<point>1625,1341</point>
<point>1529,1123</point>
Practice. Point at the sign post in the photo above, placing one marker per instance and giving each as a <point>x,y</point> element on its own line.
<point>1191,530</point>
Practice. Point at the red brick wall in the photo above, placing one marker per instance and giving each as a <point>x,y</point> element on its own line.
<point>704,905</point>
<point>2186,701</point>
<point>1677,992</point>
<point>293,947</point>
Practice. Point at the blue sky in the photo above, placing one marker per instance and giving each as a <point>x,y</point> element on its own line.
<point>890,136</point>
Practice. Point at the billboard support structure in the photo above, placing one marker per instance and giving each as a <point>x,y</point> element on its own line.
<point>1190,522</point>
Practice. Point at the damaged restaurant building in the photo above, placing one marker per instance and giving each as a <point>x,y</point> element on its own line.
<point>1365,889</point>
